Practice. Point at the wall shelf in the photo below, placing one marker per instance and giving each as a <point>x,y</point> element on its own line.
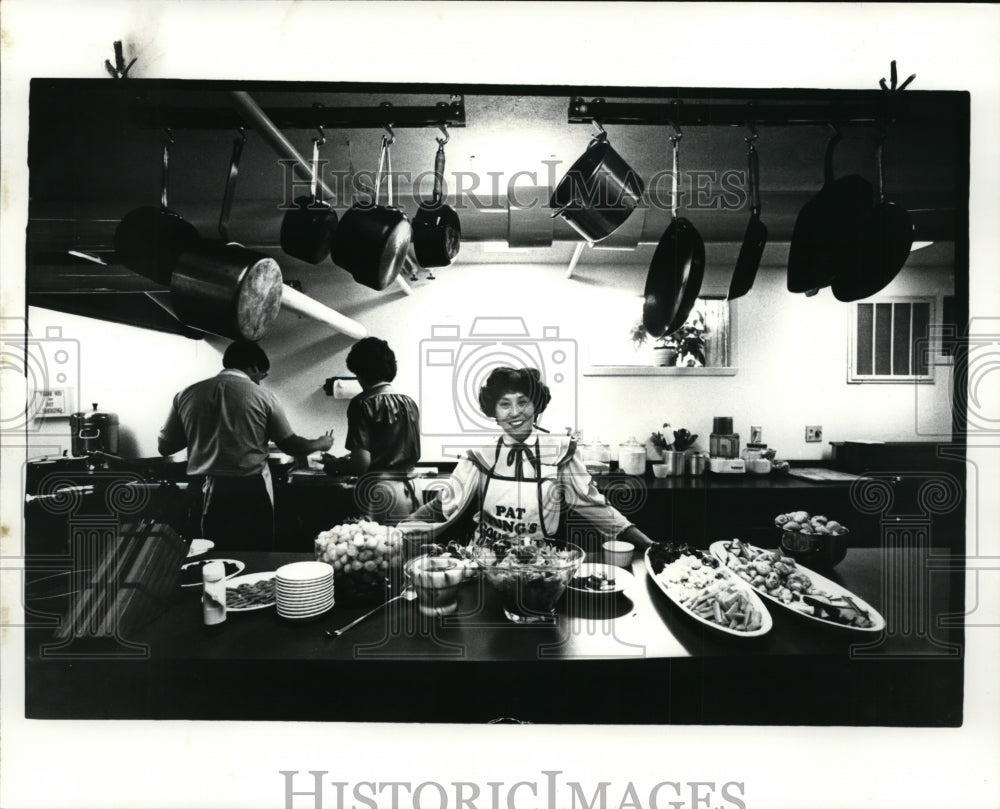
<point>642,370</point>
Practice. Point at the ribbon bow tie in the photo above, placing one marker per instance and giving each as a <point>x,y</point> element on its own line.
<point>515,458</point>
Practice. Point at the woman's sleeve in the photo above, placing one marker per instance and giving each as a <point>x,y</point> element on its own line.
<point>583,499</point>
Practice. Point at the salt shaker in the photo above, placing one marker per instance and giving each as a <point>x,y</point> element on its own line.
<point>213,598</point>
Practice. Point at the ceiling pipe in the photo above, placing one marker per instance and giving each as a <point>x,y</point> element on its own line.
<point>283,146</point>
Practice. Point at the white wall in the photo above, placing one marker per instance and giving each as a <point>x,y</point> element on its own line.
<point>791,354</point>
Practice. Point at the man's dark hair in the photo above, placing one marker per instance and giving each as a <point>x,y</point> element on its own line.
<point>504,380</point>
<point>245,354</point>
<point>371,359</point>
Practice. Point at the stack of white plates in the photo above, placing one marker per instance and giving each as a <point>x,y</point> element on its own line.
<point>303,590</point>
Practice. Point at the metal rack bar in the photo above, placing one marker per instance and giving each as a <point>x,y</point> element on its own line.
<point>866,108</point>
<point>450,113</point>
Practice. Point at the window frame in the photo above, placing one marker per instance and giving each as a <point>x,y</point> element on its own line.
<point>934,358</point>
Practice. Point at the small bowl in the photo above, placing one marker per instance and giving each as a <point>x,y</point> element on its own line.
<point>814,550</point>
<point>618,553</point>
<point>660,470</point>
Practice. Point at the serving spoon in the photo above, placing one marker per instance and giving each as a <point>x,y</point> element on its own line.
<point>407,594</point>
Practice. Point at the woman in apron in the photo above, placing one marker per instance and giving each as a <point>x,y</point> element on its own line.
<point>529,484</point>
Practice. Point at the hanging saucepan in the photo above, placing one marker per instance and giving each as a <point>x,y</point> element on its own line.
<point>598,192</point>
<point>676,271</point>
<point>887,238</point>
<point>149,239</point>
<point>437,232</point>
<point>307,230</point>
<point>225,288</point>
<point>827,237</point>
<point>748,261</point>
<point>371,240</point>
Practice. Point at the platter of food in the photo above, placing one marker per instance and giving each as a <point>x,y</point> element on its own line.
<point>253,591</point>
<point>783,581</point>
<point>707,591</point>
<point>598,579</point>
<point>191,572</point>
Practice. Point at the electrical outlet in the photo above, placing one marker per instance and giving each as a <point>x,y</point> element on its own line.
<point>813,433</point>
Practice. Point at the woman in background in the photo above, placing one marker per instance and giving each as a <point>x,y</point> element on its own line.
<point>383,434</point>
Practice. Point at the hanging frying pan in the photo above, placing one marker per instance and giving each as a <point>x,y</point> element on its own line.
<point>887,239</point>
<point>827,237</point>
<point>437,232</point>
<point>225,288</point>
<point>148,240</point>
<point>307,230</point>
<point>599,191</point>
<point>748,261</point>
<point>676,271</point>
<point>372,240</point>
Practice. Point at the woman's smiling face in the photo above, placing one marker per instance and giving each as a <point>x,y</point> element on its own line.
<point>515,413</point>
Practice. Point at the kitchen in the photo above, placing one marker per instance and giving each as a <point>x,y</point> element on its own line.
<point>788,363</point>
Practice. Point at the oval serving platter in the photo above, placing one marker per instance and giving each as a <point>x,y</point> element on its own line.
<point>720,550</point>
<point>674,595</point>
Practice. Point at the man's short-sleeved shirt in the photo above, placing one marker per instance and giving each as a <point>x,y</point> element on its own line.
<point>226,422</point>
<point>387,424</point>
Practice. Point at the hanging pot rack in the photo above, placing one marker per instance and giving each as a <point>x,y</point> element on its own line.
<point>844,108</point>
<point>449,113</point>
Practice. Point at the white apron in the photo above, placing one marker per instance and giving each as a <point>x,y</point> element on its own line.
<point>513,495</point>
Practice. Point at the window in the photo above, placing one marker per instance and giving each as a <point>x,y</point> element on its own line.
<point>890,341</point>
<point>703,346</point>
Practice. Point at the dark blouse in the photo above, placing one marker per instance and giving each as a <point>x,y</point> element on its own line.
<point>387,424</point>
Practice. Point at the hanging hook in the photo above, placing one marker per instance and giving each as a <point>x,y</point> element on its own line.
<point>445,132</point>
<point>321,140</point>
<point>390,136</point>
<point>752,126</point>
<point>169,135</point>
<point>675,122</point>
<point>600,129</point>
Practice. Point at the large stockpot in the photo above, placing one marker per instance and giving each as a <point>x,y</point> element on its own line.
<point>226,289</point>
<point>599,191</point>
<point>93,431</point>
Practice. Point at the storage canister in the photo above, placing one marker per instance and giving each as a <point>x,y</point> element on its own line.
<point>632,457</point>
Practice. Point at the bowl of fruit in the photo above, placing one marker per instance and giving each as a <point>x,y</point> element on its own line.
<point>814,541</point>
<point>364,555</point>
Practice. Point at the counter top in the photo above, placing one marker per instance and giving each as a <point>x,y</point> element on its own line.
<point>260,666</point>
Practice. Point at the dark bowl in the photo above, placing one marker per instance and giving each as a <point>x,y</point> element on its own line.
<point>821,551</point>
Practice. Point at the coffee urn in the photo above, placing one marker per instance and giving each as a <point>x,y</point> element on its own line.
<point>93,431</point>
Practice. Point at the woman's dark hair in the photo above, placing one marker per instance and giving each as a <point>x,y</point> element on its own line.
<point>371,358</point>
<point>245,354</point>
<point>504,380</point>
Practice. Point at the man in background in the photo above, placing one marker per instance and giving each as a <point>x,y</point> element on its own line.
<point>226,422</point>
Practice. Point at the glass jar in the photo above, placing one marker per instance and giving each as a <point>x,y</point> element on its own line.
<point>632,457</point>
